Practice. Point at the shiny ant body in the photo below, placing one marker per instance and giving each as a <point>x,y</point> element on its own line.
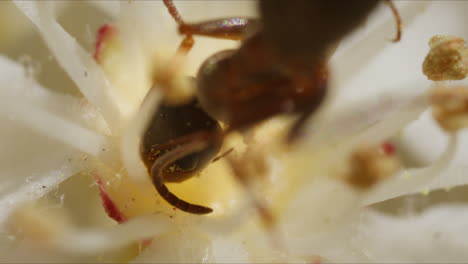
<point>281,67</point>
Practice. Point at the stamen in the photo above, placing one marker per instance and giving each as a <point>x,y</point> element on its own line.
<point>74,59</point>
<point>369,166</point>
<point>450,107</point>
<point>82,241</point>
<point>414,180</point>
<point>447,59</point>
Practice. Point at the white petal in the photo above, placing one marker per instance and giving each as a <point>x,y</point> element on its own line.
<point>73,58</point>
<point>110,7</point>
<point>415,137</point>
<point>367,42</point>
<point>400,63</point>
<point>318,215</point>
<point>12,26</point>
<point>35,186</point>
<point>184,246</point>
<point>203,10</point>
<point>229,251</point>
<point>414,180</point>
<point>26,103</point>
<point>370,119</point>
<point>131,139</point>
<point>91,242</point>
<point>435,236</point>
<point>41,138</point>
<point>148,20</point>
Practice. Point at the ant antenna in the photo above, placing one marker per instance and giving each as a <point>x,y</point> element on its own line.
<point>200,141</point>
<point>396,14</point>
<point>241,176</point>
<point>187,42</point>
<point>184,48</point>
<point>227,152</point>
<point>173,11</point>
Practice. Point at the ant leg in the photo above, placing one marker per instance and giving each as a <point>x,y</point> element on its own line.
<point>241,175</point>
<point>173,11</point>
<point>227,152</point>
<point>188,42</point>
<point>232,28</point>
<point>169,157</point>
<point>296,130</point>
<point>397,19</point>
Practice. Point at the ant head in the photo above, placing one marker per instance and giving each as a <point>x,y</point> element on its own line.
<point>171,127</point>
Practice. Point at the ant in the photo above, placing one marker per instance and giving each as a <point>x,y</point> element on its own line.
<point>280,68</point>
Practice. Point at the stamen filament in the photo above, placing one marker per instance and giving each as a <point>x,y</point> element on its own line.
<point>33,190</point>
<point>413,180</point>
<point>55,127</point>
<point>374,42</point>
<point>74,60</point>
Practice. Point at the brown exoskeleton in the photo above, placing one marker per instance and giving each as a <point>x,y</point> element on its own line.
<point>280,68</point>
<point>179,142</point>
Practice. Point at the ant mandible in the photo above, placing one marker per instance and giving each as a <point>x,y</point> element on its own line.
<point>279,68</point>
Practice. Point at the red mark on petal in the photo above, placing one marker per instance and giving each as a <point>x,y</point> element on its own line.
<point>111,209</point>
<point>103,32</point>
<point>388,148</point>
<point>147,242</point>
<point>317,260</point>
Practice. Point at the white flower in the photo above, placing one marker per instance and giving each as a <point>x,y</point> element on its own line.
<point>377,90</point>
